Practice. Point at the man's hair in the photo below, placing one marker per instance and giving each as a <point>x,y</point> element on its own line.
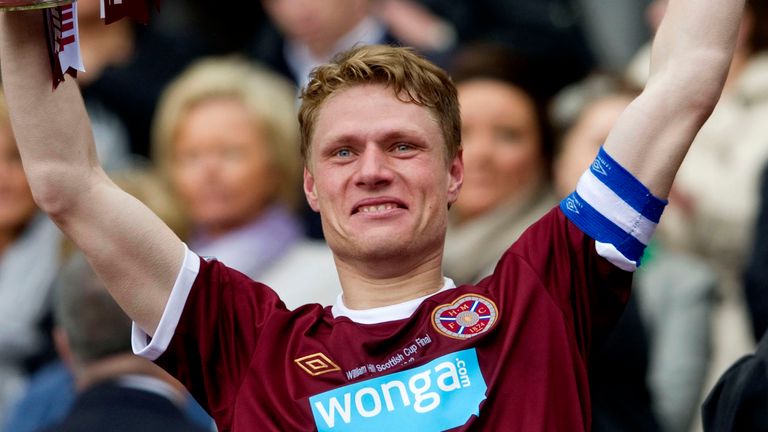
<point>411,77</point>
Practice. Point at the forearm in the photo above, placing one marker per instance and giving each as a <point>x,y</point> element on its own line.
<point>701,31</point>
<point>134,253</point>
<point>691,57</point>
<point>51,127</point>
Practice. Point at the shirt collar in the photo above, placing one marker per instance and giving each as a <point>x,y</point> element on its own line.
<point>385,313</point>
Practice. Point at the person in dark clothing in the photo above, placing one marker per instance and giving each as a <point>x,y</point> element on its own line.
<point>756,274</point>
<point>117,390</point>
<point>739,399</point>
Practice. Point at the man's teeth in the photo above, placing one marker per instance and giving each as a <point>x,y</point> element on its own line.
<point>377,208</point>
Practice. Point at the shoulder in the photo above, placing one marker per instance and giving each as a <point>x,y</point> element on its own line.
<point>305,274</point>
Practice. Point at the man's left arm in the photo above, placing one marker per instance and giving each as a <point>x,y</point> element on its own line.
<point>691,57</point>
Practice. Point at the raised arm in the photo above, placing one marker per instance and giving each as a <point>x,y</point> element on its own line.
<point>690,61</point>
<point>132,251</point>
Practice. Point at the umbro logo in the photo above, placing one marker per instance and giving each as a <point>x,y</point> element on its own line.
<point>317,364</point>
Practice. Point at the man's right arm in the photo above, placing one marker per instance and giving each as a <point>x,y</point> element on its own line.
<point>135,254</point>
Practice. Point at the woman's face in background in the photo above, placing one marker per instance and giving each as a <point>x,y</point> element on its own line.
<point>502,146</point>
<point>16,203</point>
<point>583,140</point>
<point>223,167</point>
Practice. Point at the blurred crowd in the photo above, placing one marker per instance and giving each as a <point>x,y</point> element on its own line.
<point>195,115</point>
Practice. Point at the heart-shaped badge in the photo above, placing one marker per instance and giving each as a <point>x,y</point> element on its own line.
<point>468,316</point>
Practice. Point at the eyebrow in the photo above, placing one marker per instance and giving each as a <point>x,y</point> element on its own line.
<point>387,136</point>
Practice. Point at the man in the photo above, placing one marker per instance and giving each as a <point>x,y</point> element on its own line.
<point>307,33</point>
<point>403,348</point>
<point>117,390</point>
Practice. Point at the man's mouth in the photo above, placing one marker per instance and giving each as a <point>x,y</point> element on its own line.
<point>376,208</point>
<point>373,206</point>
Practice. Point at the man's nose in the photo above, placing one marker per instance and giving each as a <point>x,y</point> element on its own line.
<point>373,168</point>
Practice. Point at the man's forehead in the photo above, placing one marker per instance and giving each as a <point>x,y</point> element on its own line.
<point>371,110</point>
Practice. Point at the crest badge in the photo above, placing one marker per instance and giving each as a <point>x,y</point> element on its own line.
<point>468,316</point>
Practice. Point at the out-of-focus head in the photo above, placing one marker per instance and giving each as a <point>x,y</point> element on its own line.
<point>410,77</point>
<point>506,135</point>
<point>94,324</point>
<point>226,137</point>
<point>16,204</point>
<point>583,139</point>
<point>316,22</point>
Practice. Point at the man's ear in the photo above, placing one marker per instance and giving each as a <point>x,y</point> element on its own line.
<point>455,176</point>
<point>309,190</point>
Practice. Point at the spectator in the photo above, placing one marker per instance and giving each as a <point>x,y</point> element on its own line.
<point>738,401</point>
<point>226,138</point>
<point>50,393</point>
<point>756,275</point>
<point>507,144</point>
<point>308,33</point>
<point>28,265</point>
<point>117,390</point>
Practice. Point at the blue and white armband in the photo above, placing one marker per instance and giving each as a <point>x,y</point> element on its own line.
<point>616,210</point>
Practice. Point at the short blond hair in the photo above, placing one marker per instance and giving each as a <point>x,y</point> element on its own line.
<point>269,99</point>
<point>411,77</point>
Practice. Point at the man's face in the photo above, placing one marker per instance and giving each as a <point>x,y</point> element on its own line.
<point>378,176</point>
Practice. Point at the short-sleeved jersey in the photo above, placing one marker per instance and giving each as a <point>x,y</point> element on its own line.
<point>509,353</point>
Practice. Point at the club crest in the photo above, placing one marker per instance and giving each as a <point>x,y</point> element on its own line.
<point>468,316</point>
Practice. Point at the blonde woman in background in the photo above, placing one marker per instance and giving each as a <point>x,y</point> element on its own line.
<point>226,138</point>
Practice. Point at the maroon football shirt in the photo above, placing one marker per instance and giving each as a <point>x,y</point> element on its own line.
<point>509,353</point>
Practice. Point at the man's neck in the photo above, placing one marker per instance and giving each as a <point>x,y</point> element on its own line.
<point>373,285</point>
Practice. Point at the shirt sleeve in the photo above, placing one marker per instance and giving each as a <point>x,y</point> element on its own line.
<point>590,290</point>
<point>615,209</point>
<point>152,348</point>
<point>209,331</point>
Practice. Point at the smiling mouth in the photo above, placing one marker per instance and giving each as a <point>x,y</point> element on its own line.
<point>377,208</point>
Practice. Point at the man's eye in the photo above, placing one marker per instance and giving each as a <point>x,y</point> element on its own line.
<point>344,153</point>
<point>403,147</point>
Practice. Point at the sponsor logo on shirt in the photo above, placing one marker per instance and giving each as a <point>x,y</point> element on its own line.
<point>316,364</point>
<point>468,316</point>
<point>439,395</point>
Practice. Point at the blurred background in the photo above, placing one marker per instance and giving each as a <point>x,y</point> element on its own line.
<point>195,112</point>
